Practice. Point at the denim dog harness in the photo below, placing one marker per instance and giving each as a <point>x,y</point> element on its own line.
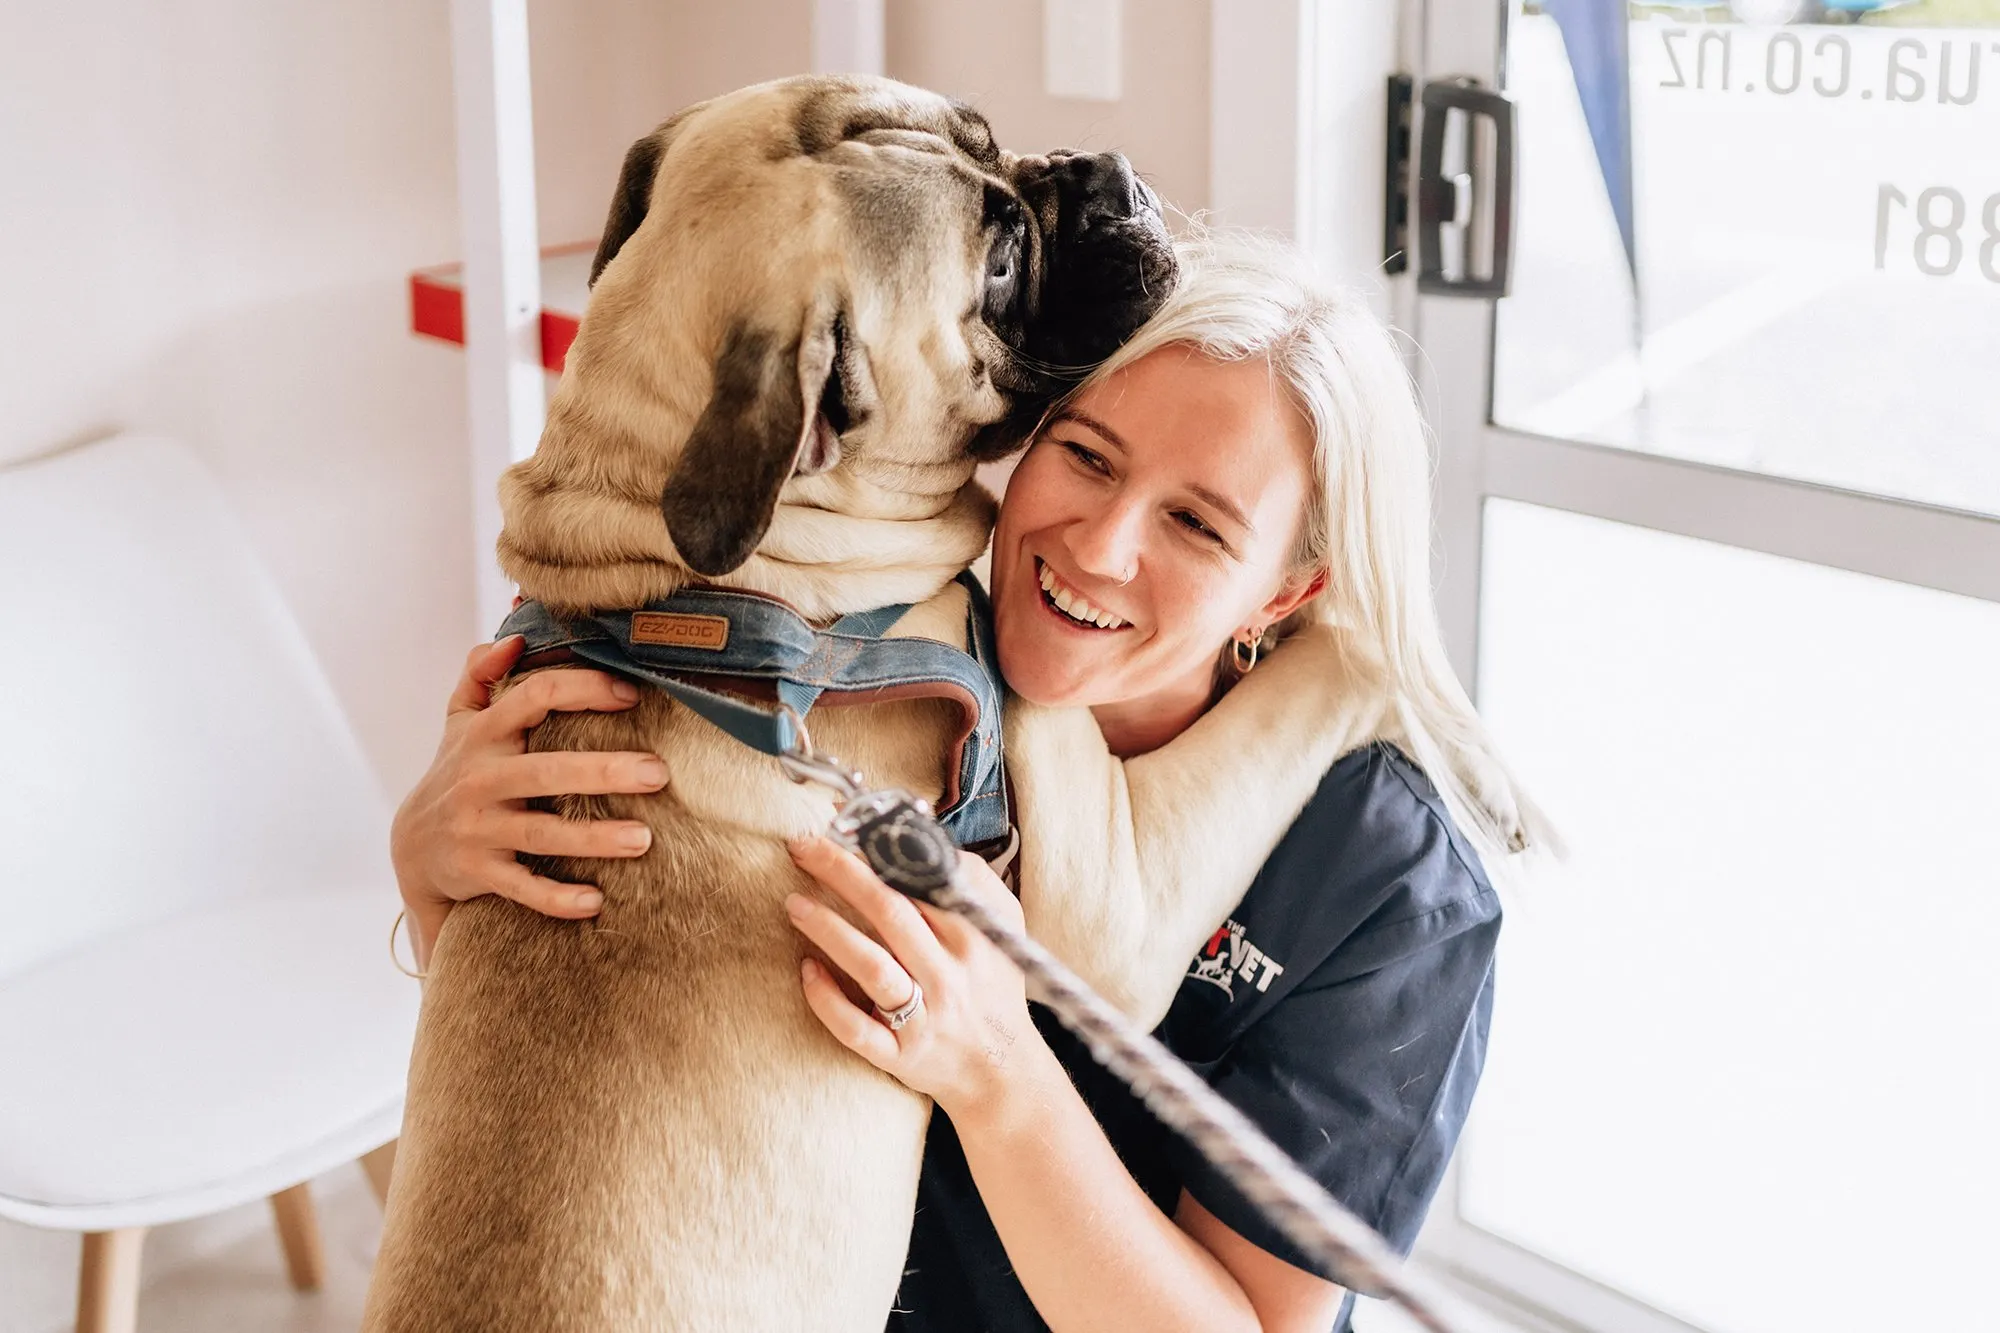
<point>754,667</point>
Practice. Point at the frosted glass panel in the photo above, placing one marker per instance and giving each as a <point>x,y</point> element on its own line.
<point>1744,1057</point>
<point>1769,245</point>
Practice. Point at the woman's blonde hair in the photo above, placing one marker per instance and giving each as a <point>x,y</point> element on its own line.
<point>1368,518</point>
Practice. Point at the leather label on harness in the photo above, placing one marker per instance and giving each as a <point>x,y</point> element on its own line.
<point>673,630</point>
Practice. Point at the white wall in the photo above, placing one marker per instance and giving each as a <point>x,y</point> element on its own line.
<point>1223,103</point>
<point>211,209</point>
<point>1297,122</point>
<point>208,213</point>
<point>608,71</point>
<point>990,54</point>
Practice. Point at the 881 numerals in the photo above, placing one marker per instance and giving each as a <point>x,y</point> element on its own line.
<point>1940,245</point>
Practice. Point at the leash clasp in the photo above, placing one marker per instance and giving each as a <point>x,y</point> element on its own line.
<point>808,767</point>
<point>895,832</point>
<point>802,763</point>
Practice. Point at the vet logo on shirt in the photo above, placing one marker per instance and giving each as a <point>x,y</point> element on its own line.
<point>1229,957</point>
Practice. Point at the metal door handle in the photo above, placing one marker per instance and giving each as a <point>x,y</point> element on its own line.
<point>1444,201</point>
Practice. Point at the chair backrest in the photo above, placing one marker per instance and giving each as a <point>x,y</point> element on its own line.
<point>167,740</point>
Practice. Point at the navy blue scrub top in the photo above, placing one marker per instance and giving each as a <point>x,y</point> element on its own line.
<point>1343,1007</point>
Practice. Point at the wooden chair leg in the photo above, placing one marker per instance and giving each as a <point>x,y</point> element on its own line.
<point>378,1165</point>
<point>298,1232</point>
<point>107,1298</point>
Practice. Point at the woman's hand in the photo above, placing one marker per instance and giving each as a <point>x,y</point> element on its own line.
<point>970,1041</point>
<point>456,834</point>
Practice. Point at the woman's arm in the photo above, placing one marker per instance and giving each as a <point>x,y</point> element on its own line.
<point>1088,1245</point>
<point>1086,1242</point>
<point>1288,1298</point>
<point>456,834</point>
<point>1090,1248</point>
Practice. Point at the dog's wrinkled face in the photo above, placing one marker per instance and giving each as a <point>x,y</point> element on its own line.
<point>883,297</point>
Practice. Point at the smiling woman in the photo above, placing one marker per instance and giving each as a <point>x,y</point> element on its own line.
<point>1250,461</point>
<point>1155,517</point>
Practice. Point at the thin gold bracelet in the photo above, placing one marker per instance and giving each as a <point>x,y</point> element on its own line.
<point>395,931</point>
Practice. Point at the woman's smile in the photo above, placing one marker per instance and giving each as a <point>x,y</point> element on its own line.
<point>1071,607</point>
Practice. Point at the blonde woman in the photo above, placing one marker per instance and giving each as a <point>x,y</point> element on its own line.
<point>1251,461</point>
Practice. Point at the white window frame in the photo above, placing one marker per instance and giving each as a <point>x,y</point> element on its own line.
<point>1920,544</point>
<point>1927,545</point>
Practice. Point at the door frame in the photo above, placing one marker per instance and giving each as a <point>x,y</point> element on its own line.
<point>1905,541</point>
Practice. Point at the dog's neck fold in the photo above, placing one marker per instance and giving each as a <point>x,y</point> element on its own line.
<point>826,563</point>
<point>837,543</point>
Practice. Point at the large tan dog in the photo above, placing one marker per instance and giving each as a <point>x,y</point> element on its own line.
<point>819,302</point>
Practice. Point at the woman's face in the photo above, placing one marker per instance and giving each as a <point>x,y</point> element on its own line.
<point>1148,524</point>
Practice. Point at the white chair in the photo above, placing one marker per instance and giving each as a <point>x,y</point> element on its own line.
<point>197,1007</point>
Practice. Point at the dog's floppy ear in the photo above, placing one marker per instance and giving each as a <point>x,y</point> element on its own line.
<point>628,205</point>
<point>763,411</point>
<point>634,194</point>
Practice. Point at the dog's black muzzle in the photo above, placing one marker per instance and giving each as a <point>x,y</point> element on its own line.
<point>1107,260</point>
<point>1106,264</point>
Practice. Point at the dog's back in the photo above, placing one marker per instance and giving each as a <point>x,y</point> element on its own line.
<point>635,1122</point>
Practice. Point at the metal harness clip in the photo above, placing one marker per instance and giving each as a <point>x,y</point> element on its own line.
<point>802,763</point>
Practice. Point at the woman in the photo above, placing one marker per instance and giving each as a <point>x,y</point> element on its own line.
<point>1252,459</point>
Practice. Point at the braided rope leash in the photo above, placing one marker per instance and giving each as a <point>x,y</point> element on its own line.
<point>895,833</point>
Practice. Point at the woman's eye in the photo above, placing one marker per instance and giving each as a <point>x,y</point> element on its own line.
<point>1094,461</point>
<point>1193,523</point>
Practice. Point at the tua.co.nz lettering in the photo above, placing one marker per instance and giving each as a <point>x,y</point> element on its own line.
<point>1915,69</point>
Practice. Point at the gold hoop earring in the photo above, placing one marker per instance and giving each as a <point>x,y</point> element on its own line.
<point>1244,655</point>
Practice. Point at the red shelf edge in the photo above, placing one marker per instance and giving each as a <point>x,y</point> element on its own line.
<point>558,332</point>
<point>437,310</point>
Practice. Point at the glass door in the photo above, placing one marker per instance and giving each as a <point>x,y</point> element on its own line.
<point>1719,487</point>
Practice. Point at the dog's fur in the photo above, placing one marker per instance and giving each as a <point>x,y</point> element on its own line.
<point>792,356</point>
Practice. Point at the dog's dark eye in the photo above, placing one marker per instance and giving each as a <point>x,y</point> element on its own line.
<point>1000,301</point>
<point>1003,211</point>
<point>1007,221</point>
<point>1006,224</point>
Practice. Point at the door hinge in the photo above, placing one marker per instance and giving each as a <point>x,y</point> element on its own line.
<point>1396,177</point>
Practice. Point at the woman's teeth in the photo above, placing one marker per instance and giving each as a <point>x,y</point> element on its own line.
<point>1073,605</point>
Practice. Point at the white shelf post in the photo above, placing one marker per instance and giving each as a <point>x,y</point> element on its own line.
<point>503,299</point>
